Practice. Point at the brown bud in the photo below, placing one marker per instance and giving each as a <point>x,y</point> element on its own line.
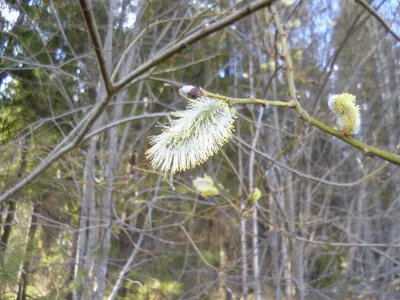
<point>195,93</point>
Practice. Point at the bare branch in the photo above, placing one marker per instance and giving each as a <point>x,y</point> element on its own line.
<point>379,18</point>
<point>126,120</point>
<point>97,45</point>
<point>303,175</point>
<point>286,55</point>
<point>76,136</point>
<point>366,149</point>
<point>321,243</point>
<point>191,39</point>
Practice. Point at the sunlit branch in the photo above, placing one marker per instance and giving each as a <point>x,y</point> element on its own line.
<point>286,55</point>
<point>193,38</point>
<point>321,243</point>
<point>126,120</point>
<point>366,149</point>
<point>249,100</point>
<point>303,175</point>
<point>379,18</point>
<point>76,136</point>
<point>97,45</point>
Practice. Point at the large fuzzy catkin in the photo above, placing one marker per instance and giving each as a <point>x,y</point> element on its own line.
<point>347,113</point>
<point>196,134</point>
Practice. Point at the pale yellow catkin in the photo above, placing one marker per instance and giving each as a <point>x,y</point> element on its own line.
<point>347,113</point>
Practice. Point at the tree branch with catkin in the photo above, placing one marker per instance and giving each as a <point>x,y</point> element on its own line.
<point>76,136</point>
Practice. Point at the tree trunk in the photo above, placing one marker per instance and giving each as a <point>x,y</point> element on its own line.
<point>11,208</point>
<point>25,270</point>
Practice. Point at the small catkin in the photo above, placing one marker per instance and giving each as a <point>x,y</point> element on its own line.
<point>347,113</point>
<point>205,186</point>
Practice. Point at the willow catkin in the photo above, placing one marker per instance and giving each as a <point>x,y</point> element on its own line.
<point>196,134</point>
<point>347,113</point>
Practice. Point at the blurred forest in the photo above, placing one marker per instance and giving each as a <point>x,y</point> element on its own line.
<point>83,215</point>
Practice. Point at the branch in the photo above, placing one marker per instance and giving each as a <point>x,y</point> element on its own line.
<point>379,18</point>
<point>249,100</point>
<point>303,175</point>
<point>331,68</point>
<point>174,48</point>
<point>286,55</point>
<point>126,120</point>
<point>97,45</point>
<point>76,136</point>
<point>322,243</point>
<point>366,149</point>
<point>197,249</point>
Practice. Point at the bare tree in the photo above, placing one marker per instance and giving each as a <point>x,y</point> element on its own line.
<point>295,207</point>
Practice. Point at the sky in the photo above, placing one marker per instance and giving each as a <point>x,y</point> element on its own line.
<point>10,15</point>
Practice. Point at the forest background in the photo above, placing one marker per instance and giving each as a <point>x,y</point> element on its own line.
<point>84,215</point>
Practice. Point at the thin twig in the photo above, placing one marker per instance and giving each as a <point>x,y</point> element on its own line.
<point>286,55</point>
<point>76,136</point>
<point>379,18</point>
<point>321,243</point>
<point>197,249</point>
<point>191,39</point>
<point>96,40</point>
<point>249,100</point>
<point>367,150</point>
<point>303,175</point>
<point>126,120</point>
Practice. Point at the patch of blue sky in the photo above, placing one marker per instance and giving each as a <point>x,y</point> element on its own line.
<point>390,12</point>
<point>3,46</point>
<point>34,2</point>
<point>323,23</point>
<point>17,49</point>
<point>319,29</point>
<point>5,91</point>
<point>130,17</point>
<point>6,82</point>
<point>60,55</point>
<point>205,5</point>
<point>11,15</point>
<point>130,20</point>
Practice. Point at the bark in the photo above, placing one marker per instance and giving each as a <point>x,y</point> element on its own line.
<point>113,150</point>
<point>11,207</point>
<point>243,221</point>
<point>25,269</point>
<point>251,187</point>
<point>277,259</point>
<point>84,243</point>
